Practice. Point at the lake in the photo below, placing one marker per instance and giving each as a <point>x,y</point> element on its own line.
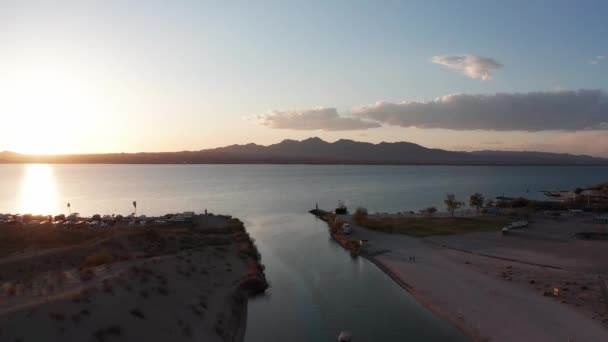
<point>317,288</point>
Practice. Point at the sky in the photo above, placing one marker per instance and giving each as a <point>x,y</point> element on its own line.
<point>131,76</point>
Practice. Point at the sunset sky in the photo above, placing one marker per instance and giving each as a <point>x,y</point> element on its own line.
<point>128,76</point>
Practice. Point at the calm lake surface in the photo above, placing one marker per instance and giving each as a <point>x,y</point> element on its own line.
<point>317,288</point>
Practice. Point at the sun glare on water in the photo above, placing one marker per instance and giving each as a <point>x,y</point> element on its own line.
<point>38,190</point>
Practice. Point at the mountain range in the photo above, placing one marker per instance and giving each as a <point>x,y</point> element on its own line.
<point>317,151</point>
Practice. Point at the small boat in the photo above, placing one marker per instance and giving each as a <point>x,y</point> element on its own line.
<point>345,336</point>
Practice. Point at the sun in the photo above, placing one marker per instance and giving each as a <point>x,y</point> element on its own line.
<point>48,108</point>
<point>45,106</point>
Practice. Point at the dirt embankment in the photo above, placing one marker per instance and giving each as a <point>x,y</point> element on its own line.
<point>153,284</point>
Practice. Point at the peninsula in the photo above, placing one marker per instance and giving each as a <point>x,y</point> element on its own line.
<point>173,278</point>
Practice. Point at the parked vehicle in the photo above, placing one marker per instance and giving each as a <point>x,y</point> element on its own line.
<point>517,224</point>
<point>347,228</point>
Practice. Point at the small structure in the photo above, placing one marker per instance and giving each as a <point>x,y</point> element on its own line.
<point>184,217</point>
<point>601,218</point>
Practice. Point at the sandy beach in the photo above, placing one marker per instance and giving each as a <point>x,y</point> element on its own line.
<point>162,284</point>
<point>498,292</point>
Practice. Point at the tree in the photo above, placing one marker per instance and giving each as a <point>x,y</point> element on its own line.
<point>428,211</point>
<point>489,202</point>
<point>476,201</point>
<point>360,215</point>
<point>578,191</point>
<point>451,203</point>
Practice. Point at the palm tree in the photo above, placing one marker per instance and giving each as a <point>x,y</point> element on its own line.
<point>135,207</point>
<point>69,208</point>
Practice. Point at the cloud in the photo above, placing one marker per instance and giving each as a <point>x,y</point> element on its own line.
<point>536,111</point>
<point>472,66</point>
<point>598,59</point>
<point>326,119</point>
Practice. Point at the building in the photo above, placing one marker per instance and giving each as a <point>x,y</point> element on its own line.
<point>602,218</point>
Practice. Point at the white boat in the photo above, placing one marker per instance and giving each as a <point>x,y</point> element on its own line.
<point>345,336</point>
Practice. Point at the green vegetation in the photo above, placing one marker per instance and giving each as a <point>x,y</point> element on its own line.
<point>452,204</point>
<point>602,187</point>
<point>360,215</point>
<point>428,211</point>
<point>476,201</point>
<point>427,226</point>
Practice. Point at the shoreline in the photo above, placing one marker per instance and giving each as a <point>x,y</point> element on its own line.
<point>139,283</point>
<point>460,323</point>
<point>487,292</point>
<point>482,306</point>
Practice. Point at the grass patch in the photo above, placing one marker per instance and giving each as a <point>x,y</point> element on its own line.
<point>427,226</point>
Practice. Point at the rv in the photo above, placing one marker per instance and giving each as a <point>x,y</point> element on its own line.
<point>347,228</point>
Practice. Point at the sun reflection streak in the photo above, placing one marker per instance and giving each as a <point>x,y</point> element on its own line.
<point>38,190</point>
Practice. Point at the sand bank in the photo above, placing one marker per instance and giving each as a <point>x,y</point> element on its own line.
<point>490,299</point>
<point>148,284</point>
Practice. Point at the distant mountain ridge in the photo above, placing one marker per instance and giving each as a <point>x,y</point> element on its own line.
<point>317,151</point>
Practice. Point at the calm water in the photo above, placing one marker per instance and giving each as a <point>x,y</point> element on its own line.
<point>317,289</point>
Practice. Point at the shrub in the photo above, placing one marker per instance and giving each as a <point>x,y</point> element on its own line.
<point>360,215</point>
<point>138,313</point>
<point>428,211</point>
<point>87,274</point>
<point>519,202</point>
<point>97,259</point>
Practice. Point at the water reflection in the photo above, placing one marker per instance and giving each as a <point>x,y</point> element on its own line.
<point>38,194</point>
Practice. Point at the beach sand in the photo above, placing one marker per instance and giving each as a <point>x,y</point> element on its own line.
<point>492,299</point>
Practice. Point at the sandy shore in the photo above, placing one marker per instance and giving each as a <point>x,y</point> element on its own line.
<point>161,285</point>
<point>491,299</point>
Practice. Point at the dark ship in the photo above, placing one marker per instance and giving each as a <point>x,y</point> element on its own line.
<point>341,209</point>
